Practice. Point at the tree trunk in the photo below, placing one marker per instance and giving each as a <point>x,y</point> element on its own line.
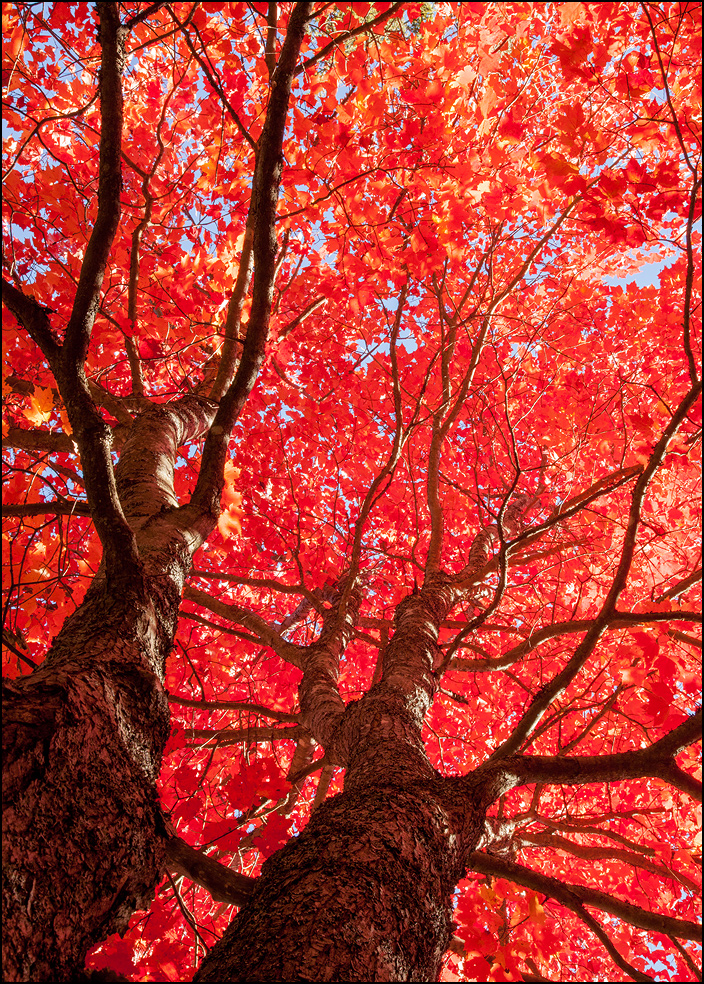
<point>365,892</point>
<point>82,744</point>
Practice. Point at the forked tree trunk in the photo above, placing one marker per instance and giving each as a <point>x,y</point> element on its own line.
<point>82,743</point>
<point>364,893</point>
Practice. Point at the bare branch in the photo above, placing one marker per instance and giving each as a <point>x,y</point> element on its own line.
<point>557,629</point>
<point>223,884</point>
<point>234,705</point>
<point>57,507</point>
<point>215,85</point>
<point>143,14</point>
<point>90,281</point>
<point>255,623</point>
<point>321,705</point>
<point>262,217</point>
<point>656,760</point>
<point>681,586</point>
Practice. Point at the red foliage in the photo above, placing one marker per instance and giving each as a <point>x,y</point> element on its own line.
<point>486,230</point>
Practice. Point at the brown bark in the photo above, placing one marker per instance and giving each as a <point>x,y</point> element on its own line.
<point>365,892</point>
<point>82,742</point>
<point>84,734</point>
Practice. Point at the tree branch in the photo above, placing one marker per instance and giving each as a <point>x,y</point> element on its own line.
<point>215,85</point>
<point>572,896</point>
<point>557,629</point>
<point>38,440</point>
<point>234,705</point>
<point>681,586</point>
<point>95,259</point>
<point>560,682</point>
<point>56,507</point>
<point>321,705</point>
<point>657,760</point>
<point>262,217</point>
<point>255,623</point>
<point>325,51</point>
<point>223,884</point>
<point>34,318</point>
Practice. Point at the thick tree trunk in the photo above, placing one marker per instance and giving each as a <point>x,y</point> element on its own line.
<point>364,893</point>
<point>82,743</point>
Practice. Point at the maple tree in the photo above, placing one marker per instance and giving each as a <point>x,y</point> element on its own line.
<point>351,539</point>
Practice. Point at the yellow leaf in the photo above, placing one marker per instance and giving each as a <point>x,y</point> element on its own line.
<point>230,523</point>
<point>41,405</point>
<point>537,912</point>
<point>65,425</point>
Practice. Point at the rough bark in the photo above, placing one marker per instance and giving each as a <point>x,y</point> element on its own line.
<point>84,734</point>
<point>364,893</point>
<point>82,742</point>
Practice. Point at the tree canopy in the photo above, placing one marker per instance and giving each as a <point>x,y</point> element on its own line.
<point>427,328</point>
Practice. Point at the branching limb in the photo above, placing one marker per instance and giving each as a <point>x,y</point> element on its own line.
<point>635,856</point>
<point>90,281</point>
<point>38,440</point>
<point>684,585</point>
<point>233,318</point>
<point>213,82</point>
<point>560,682</point>
<point>255,623</point>
<point>694,207</point>
<point>222,737</point>
<point>618,958</point>
<point>262,218</point>
<point>57,507</point>
<point>361,29</point>
<point>90,432</point>
<point>260,582</point>
<point>537,637</point>
<point>321,705</point>
<point>657,760</point>
<point>234,705</point>
<point>576,895</point>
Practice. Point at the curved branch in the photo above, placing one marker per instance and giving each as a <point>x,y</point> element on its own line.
<point>34,318</point>
<point>360,29</point>
<point>658,760</point>
<point>546,632</point>
<point>223,737</point>
<point>681,586</point>
<point>255,623</point>
<point>611,949</point>
<point>572,896</point>
<point>634,857</point>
